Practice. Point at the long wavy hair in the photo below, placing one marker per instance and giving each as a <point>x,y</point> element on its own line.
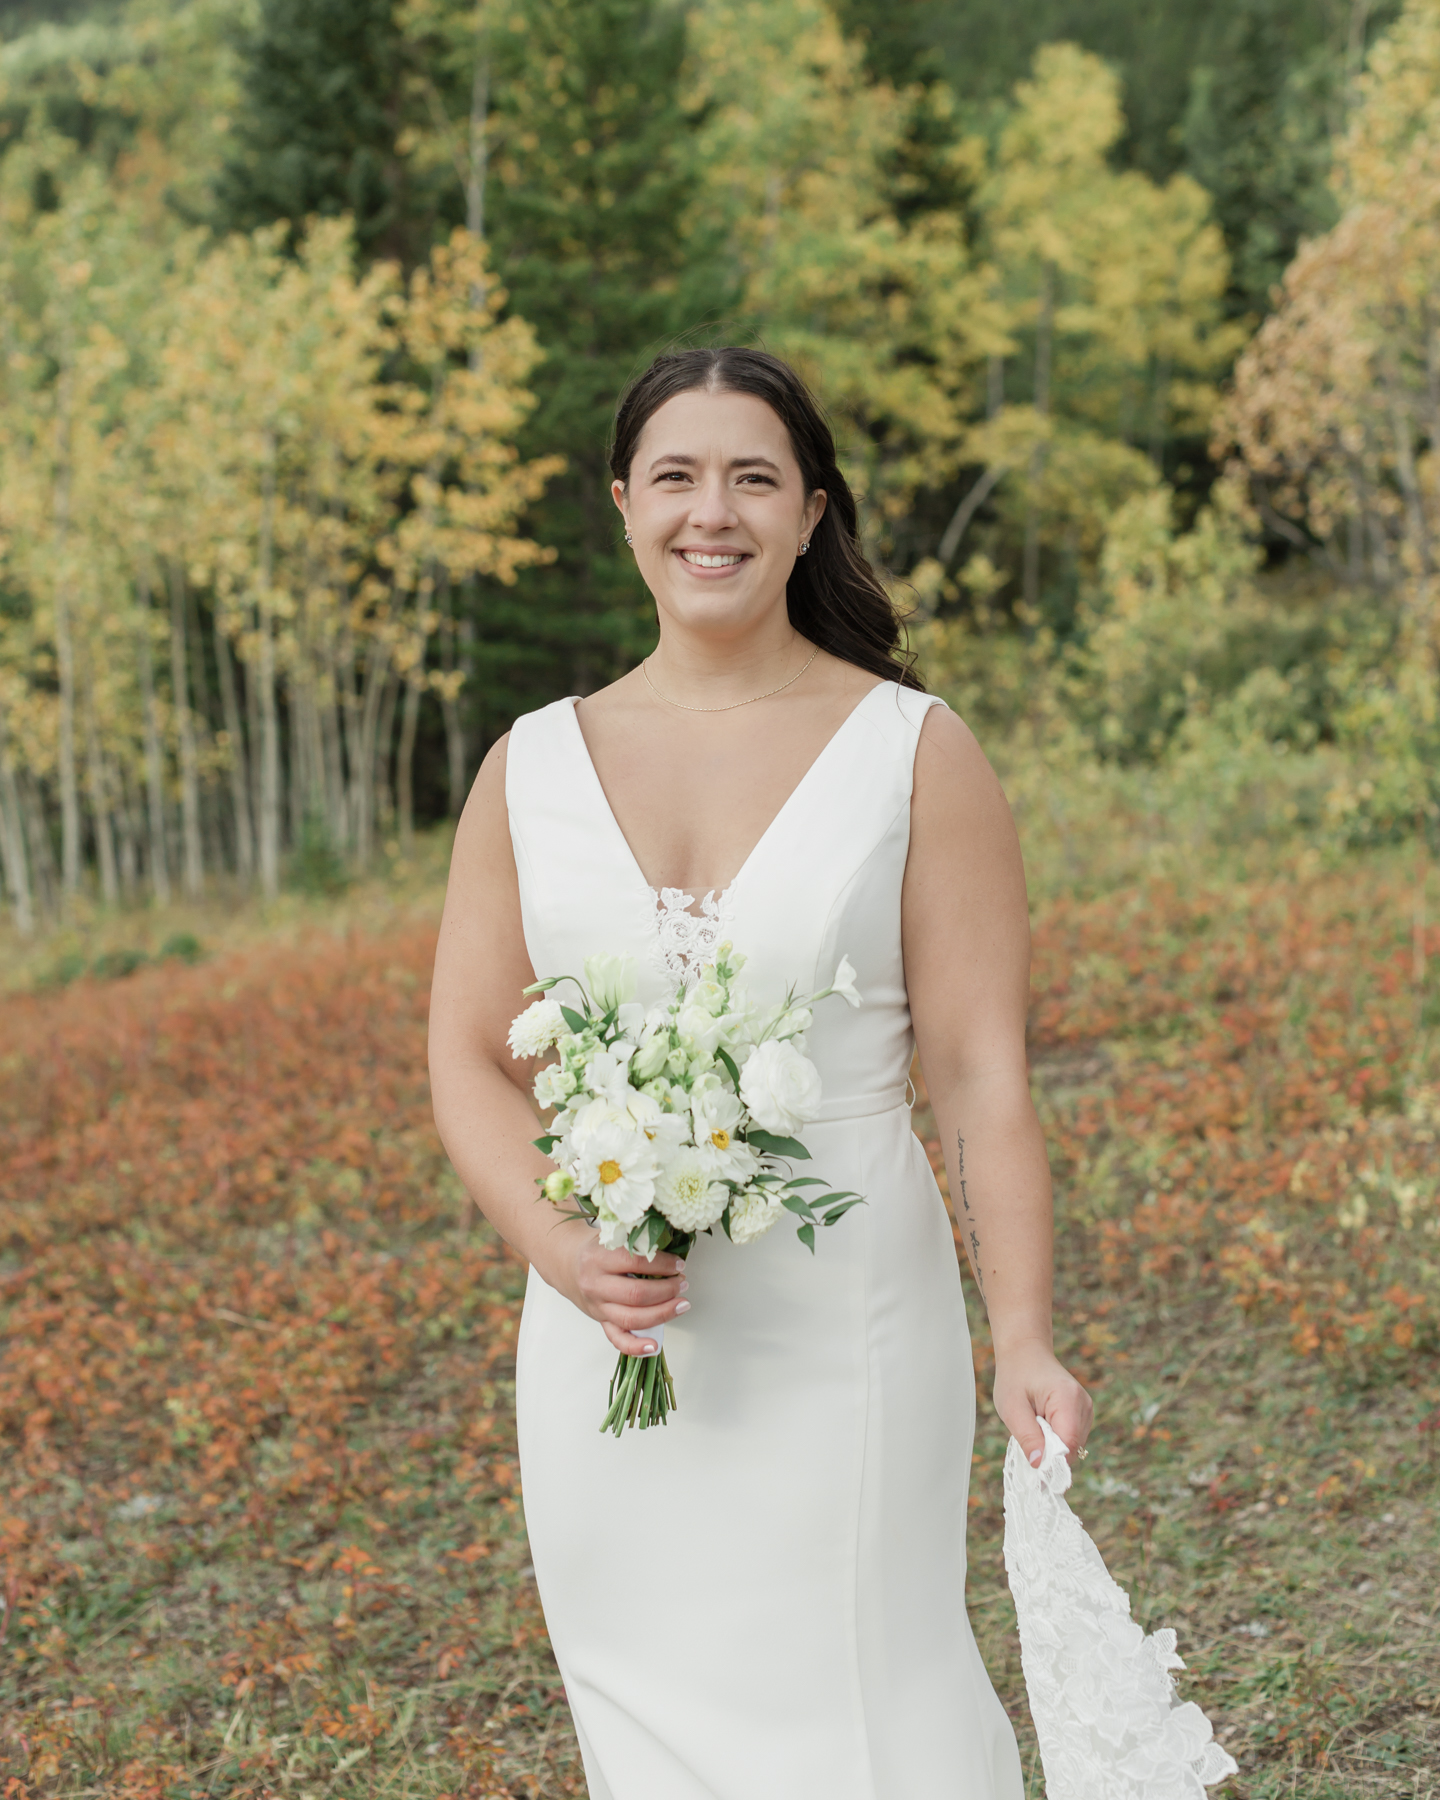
<point>834,598</point>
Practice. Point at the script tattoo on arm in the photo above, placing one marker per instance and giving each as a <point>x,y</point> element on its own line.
<point>969,1223</point>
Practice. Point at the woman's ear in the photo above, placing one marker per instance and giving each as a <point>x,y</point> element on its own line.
<point>619,495</point>
<point>814,511</point>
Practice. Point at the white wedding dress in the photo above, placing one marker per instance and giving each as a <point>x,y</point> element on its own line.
<point>765,1600</point>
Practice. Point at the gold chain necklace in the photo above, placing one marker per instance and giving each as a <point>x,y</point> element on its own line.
<point>644,670</point>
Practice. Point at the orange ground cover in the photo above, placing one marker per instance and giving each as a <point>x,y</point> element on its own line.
<point>255,1374</point>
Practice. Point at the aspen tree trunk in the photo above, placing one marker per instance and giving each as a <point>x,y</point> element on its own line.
<point>99,802</point>
<point>239,763</point>
<point>185,722</point>
<point>376,681</point>
<point>154,771</point>
<point>450,704</point>
<point>384,740</point>
<point>125,825</point>
<point>405,763</point>
<point>352,714</point>
<point>42,862</point>
<point>269,719</point>
<point>65,648</point>
<point>1044,334</point>
<point>12,841</point>
<point>338,810</point>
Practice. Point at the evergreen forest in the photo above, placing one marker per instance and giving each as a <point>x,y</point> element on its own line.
<point>314,314</point>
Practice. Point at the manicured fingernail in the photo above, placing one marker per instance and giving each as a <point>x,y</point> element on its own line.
<point>684,1287</point>
<point>1035,1456</point>
<point>647,1348</point>
<point>684,1306</point>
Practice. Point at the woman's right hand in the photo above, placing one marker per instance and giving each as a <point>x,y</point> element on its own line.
<point>624,1292</point>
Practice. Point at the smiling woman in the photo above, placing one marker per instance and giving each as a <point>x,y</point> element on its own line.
<point>765,1600</point>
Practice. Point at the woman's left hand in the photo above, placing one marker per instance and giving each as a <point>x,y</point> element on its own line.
<point>1032,1384</point>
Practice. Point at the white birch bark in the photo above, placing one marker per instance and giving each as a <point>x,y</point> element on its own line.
<point>12,841</point>
<point>185,724</point>
<point>154,766</point>
<point>265,676</point>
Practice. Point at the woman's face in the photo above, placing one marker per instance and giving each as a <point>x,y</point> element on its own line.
<point>718,510</point>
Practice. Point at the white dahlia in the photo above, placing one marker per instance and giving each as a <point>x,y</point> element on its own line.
<point>537,1029</point>
<point>687,1194</point>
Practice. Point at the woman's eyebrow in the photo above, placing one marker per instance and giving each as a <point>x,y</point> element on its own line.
<point>736,462</point>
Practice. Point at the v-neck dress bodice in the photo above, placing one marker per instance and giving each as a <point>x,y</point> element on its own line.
<point>765,1600</point>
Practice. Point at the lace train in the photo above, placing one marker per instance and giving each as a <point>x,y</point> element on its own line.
<point>1101,1693</point>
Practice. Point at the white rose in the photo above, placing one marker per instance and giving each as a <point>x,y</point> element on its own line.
<point>687,1195</point>
<point>752,1215</point>
<point>780,1087</point>
<point>537,1029</point>
<point>611,980</point>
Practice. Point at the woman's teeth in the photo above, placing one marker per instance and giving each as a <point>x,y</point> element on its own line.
<point>702,561</point>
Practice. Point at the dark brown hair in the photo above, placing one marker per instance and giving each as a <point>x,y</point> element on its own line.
<point>834,597</point>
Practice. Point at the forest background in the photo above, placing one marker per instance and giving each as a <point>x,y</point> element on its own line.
<point>314,315</point>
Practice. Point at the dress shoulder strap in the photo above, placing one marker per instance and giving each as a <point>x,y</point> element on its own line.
<point>538,770</point>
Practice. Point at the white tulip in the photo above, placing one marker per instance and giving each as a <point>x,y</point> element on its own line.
<point>611,980</point>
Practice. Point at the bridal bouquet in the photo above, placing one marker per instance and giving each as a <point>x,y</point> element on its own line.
<point>671,1121</point>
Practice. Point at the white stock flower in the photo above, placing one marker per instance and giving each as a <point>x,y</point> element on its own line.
<point>611,980</point>
<point>554,1085</point>
<point>707,994</point>
<point>686,1193</point>
<point>608,1074</point>
<point>844,983</point>
<point>780,1087</point>
<point>537,1029</point>
<point>752,1215</point>
<point>654,1051</point>
<point>700,1030</point>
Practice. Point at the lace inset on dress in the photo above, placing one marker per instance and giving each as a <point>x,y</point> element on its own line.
<point>684,940</point>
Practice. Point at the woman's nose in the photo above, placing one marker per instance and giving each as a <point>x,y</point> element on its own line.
<point>711,509</point>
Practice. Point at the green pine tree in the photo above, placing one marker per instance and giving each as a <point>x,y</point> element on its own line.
<point>316,131</point>
<point>590,176</point>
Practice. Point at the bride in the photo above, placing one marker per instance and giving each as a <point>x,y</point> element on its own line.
<point>766,1599</point>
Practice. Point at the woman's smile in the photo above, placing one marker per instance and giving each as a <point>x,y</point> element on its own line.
<point>710,563</point>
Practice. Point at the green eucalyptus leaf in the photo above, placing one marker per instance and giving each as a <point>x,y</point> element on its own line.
<point>806,1235</point>
<point>839,1212</point>
<point>545,1144</point>
<point>576,1021</point>
<point>725,1057</point>
<point>774,1145</point>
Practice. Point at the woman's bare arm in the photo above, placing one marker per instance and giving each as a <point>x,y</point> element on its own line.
<point>482,1095</point>
<point>967,967</point>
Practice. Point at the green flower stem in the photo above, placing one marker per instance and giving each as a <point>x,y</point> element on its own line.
<point>642,1393</point>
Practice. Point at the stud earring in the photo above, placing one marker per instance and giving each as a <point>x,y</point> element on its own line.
<point>628,538</point>
<point>804,547</point>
